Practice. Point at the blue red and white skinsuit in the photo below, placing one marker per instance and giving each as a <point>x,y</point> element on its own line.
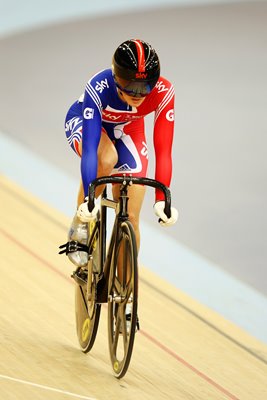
<point>101,111</point>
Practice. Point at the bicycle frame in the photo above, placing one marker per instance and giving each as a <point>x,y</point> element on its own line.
<point>111,275</point>
<point>120,207</point>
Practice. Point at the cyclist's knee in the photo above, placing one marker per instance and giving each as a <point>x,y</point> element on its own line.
<point>134,220</point>
<point>108,161</point>
<point>107,155</point>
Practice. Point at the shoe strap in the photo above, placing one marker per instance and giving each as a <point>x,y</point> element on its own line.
<point>73,246</point>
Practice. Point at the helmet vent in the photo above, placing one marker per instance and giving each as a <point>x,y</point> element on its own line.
<point>141,62</point>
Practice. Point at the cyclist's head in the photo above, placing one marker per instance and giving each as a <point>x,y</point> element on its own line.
<point>136,67</point>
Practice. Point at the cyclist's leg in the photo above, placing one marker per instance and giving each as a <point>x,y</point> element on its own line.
<point>133,159</point>
<point>107,158</point>
<point>132,153</point>
<point>107,154</point>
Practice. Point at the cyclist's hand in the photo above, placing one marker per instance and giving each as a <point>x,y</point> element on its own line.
<point>159,211</point>
<point>84,214</point>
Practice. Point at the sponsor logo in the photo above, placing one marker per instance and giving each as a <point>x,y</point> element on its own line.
<point>132,117</point>
<point>72,124</point>
<point>111,116</point>
<point>124,167</point>
<point>140,75</point>
<point>144,150</point>
<point>100,86</point>
<point>170,115</point>
<point>161,87</point>
<point>88,113</point>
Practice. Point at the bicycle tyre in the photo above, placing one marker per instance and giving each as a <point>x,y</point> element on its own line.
<point>87,311</point>
<point>121,339</point>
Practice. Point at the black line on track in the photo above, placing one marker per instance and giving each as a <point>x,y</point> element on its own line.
<point>214,327</point>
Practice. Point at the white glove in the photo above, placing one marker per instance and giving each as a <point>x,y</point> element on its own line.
<point>84,214</point>
<point>159,211</point>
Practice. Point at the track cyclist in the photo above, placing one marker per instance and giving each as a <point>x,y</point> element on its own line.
<point>105,127</point>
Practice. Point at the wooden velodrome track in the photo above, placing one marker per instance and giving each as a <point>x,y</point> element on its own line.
<point>184,350</point>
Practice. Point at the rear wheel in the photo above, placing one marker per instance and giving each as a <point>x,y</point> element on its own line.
<point>86,309</point>
<point>122,294</point>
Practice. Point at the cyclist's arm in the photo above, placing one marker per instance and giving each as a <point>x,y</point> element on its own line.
<point>92,123</point>
<point>163,139</point>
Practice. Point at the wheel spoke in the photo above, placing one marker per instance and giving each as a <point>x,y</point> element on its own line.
<point>124,329</point>
<point>117,285</point>
<point>83,297</point>
<point>116,334</point>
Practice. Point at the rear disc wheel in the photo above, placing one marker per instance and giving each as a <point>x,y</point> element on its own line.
<point>87,311</point>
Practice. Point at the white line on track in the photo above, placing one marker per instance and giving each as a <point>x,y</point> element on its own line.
<point>78,396</point>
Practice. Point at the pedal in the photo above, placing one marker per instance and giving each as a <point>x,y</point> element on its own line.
<point>80,276</point>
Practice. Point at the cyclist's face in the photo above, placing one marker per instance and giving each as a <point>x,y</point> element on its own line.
<point>132,101</point>
<point>130,92</point>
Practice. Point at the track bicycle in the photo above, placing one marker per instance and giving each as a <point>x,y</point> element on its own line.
<point>111,275</point>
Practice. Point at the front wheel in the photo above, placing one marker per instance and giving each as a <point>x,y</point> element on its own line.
<point>122,299</point>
